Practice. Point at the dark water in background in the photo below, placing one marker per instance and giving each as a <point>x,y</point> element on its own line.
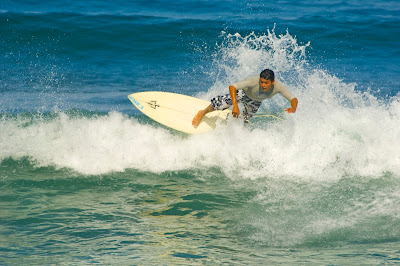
<point>87,179</point>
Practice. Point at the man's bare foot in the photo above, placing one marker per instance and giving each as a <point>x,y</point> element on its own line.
<point>197,119</point>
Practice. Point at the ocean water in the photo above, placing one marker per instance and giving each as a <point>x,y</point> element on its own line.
<point>87,179</point>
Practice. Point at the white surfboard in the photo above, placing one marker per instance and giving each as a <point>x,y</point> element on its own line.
<point>177,110</point>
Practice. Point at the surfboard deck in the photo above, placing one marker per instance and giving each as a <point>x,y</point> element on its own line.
<point>177,110</point>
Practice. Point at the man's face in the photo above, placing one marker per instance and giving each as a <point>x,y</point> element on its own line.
<point>266,84</point>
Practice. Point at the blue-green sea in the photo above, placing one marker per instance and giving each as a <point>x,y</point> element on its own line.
<point>85,178</point>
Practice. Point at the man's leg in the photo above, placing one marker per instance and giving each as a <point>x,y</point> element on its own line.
<point>197,119</point>
<point>221,102</point>
<point>251,107</point>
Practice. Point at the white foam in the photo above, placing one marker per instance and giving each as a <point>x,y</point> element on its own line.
<point>345,141</point>
<point>336,130</point>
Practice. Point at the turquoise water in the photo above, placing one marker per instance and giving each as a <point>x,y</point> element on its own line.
<point>87,179</point>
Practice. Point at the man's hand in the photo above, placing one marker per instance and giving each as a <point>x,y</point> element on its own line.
<point>294,103</point>
<point>290,110</point>
<point>235,108</point>
<point>235,111</point>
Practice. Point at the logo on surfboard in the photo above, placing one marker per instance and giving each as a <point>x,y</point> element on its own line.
<point>153,104</point>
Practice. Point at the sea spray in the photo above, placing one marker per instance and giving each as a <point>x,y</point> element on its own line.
<point>336,131</point>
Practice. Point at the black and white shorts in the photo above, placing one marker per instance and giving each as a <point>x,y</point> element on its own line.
<point>223,102</point>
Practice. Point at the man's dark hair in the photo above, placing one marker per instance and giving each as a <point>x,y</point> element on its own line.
<point>267,74</point>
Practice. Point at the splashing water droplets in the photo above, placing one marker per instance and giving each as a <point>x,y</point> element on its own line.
<point>336,131</point>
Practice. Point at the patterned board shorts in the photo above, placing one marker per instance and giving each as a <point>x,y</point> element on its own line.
<point>223,102</point>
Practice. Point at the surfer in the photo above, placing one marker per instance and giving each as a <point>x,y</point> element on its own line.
<point>250,92</point>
